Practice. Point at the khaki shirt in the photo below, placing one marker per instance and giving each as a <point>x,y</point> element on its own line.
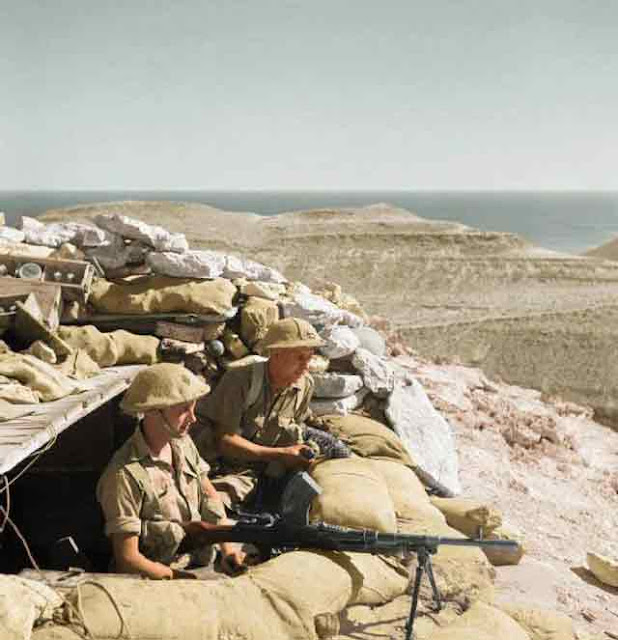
<point>143,495</point>
<point>267,419</point>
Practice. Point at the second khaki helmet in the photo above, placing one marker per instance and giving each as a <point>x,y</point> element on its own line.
<point>291,333</point>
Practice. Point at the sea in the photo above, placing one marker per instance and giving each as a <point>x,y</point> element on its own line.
<point>565,221</point>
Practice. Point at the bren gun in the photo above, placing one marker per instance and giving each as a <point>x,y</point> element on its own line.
<point>292,530</point>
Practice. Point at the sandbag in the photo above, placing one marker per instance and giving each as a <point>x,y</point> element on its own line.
<point>135,349</point>
<point>353,495</point>
<point>255,318</point>
<point>411,502</point>
<point>482,622</point>
<point>540,624</point>
<point>469,516</point>
<point>79,365</point>
<point>368,438</point>
<point>101,347</point>
<point>187,609</point>
<point>500,557</point>
<point>39,376</point>
<point>160,294</point>
<point>108,349</point>
<point>22,603</point>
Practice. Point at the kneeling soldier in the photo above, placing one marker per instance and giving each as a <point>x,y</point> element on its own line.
<point>156,489</point>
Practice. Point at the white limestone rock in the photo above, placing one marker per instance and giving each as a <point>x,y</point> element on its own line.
<point>338,406</point>
<point>238,267</point>
<point>157,237</point>
<point>341,341</point>
<point>336,385</point>
<point>371,340</point>
<point>52,235</point>
<point>378,374</point>
<point>58,233</point>
<point>318,310</point>
<point>190,264</point>
<point>427,436</point>
<point>9,234</point>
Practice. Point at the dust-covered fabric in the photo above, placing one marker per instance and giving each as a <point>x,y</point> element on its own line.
<point>41,378</point>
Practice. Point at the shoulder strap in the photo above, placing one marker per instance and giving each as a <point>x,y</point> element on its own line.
<point>257,381</point>
<point>140,475</point>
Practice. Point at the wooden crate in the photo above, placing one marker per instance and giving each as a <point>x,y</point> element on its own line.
<point>73,276</point>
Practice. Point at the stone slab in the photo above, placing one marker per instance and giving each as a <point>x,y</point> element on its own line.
<point>339,406</point>
<point>427,436</point>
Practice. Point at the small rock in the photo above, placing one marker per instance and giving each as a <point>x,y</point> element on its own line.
<point>268,290</point>
<point>377,373</point>
<point>317,310</point>
<point>371,340</point>
<point>190,264</point>
<point>339,407</point>
<point>11,235</point>
<point>237,267</point>
<point>341,341</point>
<point>336,385</point>
<point>157,237</point>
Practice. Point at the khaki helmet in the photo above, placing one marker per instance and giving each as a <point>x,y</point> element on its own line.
<point>291,333</point>
<point>161,386</point>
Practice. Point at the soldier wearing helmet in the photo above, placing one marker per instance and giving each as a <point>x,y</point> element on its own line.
<point>155,490</point>
<point>257,412</point>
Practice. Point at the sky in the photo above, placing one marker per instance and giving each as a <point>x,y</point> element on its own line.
<point>320,94</point>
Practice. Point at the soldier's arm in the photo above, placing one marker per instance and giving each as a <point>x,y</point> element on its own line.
<point>129,559</point>
<point>233,445</point>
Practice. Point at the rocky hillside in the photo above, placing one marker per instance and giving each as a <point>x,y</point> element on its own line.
<point>520,313</point>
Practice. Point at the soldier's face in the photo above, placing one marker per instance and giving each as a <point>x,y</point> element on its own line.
<point>291,364</point>
<point>180,417</point>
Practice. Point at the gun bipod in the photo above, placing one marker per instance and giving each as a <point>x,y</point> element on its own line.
<point>424,565</point>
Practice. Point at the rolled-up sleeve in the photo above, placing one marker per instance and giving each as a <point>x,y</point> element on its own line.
<point>121,502</point>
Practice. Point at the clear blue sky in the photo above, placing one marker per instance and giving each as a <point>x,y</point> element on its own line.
<point>319,94</point>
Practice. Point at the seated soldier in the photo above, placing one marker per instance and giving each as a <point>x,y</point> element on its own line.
<point>258,413</point>
<point>155,489</point>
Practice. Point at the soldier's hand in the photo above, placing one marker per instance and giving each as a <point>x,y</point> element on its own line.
<point>318,422</point>
<point>179,574</point>
<point>297,456</point>
<point>233,562</point>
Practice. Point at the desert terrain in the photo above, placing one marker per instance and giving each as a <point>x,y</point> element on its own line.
<point>514,345</point>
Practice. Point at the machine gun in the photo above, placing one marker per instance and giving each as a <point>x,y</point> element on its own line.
<point>292,530</point>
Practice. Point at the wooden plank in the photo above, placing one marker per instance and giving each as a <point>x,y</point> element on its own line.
<point>57,416</point>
